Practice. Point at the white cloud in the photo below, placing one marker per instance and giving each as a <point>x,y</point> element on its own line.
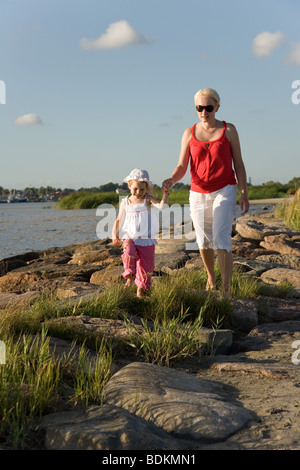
<point>294,57</point>
<point>28,120</point>
<point>119,34</point>
<point>264,43</point>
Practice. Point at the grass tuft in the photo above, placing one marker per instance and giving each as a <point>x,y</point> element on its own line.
<point>289,211</point>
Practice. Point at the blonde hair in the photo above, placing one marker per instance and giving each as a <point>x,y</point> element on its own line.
<point>131,181</point>
<point>210,93</point>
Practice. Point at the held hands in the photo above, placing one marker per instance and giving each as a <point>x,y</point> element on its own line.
<point>166,184</point>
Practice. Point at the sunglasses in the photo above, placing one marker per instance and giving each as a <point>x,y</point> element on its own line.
<point>208,108</point>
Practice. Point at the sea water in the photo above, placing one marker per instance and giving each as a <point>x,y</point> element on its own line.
<point>36,226</point>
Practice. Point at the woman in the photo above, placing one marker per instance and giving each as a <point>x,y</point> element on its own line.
<point>212,147</point>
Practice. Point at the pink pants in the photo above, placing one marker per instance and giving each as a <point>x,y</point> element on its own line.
<point>138,261</point>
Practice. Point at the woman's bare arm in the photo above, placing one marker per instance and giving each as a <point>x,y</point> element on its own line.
<point>183,161</point>
<point>239,166</point>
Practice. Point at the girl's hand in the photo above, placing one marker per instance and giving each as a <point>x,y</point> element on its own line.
<point>166,184</point>
<point>116,241</point>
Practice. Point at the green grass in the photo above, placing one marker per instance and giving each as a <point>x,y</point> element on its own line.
<point>91,200</point>
<point>33,381</point>
<point>85,200</point>
<point>265,192</point>
<point>289,211</point>
<point>167,339</point>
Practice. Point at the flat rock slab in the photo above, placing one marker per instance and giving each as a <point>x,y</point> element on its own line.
<point>174,260</point>
<point>284,244</point>
<point>278,275</point>
<point>104,428</point>
<point>257,267</point>
<point>253,229</point>
<point>264,335</point>
<point>293,261</point>
<point>279,310</point>
<point>109,328</point>
<point>12,299</point>
<point>182,405</point>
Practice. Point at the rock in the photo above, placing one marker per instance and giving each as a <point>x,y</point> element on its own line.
<point>242,247</point>
<point>92,257</point>
<point>13,262</point>
<point>173,260</point>
<point>293,261</point>
<point>11,299</point>
<point>76,289</point>
<point>93,254</point>
<point>111,329</point>
<point>169,246</point>
<point>49,270</point>
<point>62,349</point>
<point>255,267</point>
<point>279,275</point>
<point>250,229</point>
<point>275,309</point>
<point>8,265</point>
<point>245,316</point>
<point>275,330</point>
<point>282,244</point>
<point>253,369</point>
<point>217,341</point>
<point>104,427</point>
<point>107,276</point>
<point>17,282</point>
<point>247,249</point>
<point>182,405</point>
<point>262,336</point>
<point>195,262</point>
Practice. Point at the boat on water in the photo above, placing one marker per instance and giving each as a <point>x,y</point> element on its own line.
<point>16,198</point>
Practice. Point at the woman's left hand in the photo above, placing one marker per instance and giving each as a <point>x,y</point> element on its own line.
<point>244,204</point>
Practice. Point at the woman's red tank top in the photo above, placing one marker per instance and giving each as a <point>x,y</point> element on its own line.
<point>211,163</point>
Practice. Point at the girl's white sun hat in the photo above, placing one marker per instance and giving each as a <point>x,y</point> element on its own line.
<point>139,175</point>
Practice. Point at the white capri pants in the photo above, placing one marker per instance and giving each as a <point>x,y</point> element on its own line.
<point>212,215</point>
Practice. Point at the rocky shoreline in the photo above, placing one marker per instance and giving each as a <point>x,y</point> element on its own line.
<point>246,396</point>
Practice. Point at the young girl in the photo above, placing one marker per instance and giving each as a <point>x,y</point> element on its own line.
<point>137,227</point>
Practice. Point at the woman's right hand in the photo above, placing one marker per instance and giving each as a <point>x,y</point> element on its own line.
<point>166,184</point>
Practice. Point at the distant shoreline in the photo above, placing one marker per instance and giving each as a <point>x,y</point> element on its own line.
<point>277,200</point>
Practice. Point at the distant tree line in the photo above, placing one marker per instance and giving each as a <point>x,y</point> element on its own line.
<point>43,191</point>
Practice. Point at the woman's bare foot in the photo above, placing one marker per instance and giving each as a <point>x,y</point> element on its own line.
<point>210,285</point>
<point>226,294</point>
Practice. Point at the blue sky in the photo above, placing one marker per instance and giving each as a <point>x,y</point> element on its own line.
<point>95,88</point>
